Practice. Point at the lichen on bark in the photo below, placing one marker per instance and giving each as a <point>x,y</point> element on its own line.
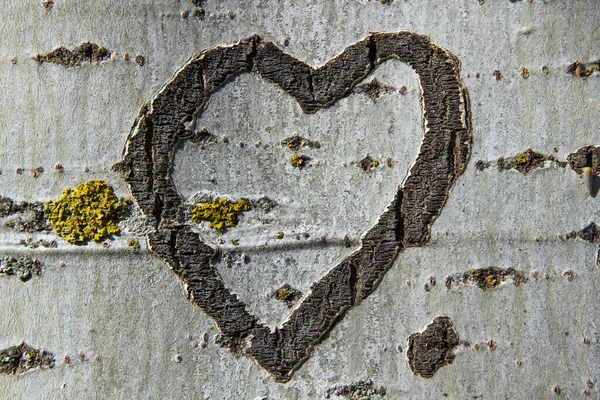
<point>90,212</point>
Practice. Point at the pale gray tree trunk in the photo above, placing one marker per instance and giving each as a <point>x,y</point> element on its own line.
<point>507,265</point>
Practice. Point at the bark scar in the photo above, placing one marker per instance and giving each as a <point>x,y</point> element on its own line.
<point>445,150</point>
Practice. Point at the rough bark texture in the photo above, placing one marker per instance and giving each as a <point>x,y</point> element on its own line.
<point>432,349</point>
<point>445,149</point>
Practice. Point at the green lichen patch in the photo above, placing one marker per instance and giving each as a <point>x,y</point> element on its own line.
<point>90,212</point>
<point>23,358</point>
<point>23,267</point>
<point>491,277</point>
<point>85,52</point>
<point>299,160</point>
<point>221,213</point>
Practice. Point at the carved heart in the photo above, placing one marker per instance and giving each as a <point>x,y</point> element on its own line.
<point>161,124</point>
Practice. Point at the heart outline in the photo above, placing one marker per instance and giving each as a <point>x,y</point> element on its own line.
<point>406,222</point>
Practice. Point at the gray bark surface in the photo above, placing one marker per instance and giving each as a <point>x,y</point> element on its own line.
<point>514,290</point>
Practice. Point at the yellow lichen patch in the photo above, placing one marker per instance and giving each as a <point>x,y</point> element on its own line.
<point>299,161</point>
<point>522,158</point>
<point>89,212</point>
<point>221,213</point>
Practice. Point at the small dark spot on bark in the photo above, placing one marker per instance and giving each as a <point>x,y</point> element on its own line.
<point>37,171</point>
<point>140,60</point>
<point>59,168</point>
<point>23,358</point>
<point>481,165</point>
<point>545,69</point>
<point>48,4</point>
<point>556,390</point>
<point>433,348</point>
<point>488,278</point>
<point>363,389</point>
<point>199,13</point>
<point>591,233</point>
<point>85,52</point>
<point>523,162</point>
<point>30,243</point>
<point>449,281</point>
<point>265,204</point>
<point>296,143</point>
<point>569,275</point>
<point>491,345</point>
<point>374,89</point>
<point>368,163</point>
<point>580,70</point>
<point>287,294</point>
<point>202,138</point>
<point>524,72</point>
<point>198,3</point>
<point>347,241</point>
<point>286,42</point>
<point>134,244</point>
<point>403,90</point>
<point>497,75</point>
<point>590,384</point>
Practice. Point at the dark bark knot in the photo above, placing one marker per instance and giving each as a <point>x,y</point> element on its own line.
<point>161,124</point>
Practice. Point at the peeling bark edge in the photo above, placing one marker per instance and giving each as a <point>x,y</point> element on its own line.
<point>445,150</point>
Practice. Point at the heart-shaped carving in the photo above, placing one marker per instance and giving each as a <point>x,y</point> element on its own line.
<point>161,124</point>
